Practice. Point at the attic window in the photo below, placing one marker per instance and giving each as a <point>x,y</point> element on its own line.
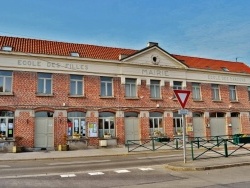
<point>225,69</point>
<point>7,48</point>
<point>74,54</point>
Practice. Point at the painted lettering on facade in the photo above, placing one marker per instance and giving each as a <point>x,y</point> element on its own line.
<point>152,72</point>
<point>37,63</point>
<point>226,78</point>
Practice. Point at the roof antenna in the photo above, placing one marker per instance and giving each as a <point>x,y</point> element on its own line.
<point>237,58</point>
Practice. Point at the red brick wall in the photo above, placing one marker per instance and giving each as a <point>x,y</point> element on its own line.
<point>25,88</point>
<point>24,129</point>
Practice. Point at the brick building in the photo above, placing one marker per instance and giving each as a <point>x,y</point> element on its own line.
<point>54,91</point>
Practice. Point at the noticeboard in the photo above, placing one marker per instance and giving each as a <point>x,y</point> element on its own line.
<point>93,130</point>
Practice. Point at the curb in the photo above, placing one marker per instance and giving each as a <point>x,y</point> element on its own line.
<point>174,167</point>
<point>54,157</point>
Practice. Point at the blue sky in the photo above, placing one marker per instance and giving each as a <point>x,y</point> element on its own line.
<point>216,29</point>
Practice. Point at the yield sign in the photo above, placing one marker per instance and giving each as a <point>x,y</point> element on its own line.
<point>182,96</point>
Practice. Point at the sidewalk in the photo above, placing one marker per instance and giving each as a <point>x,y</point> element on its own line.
<point>210,163</point>
<point>190,165</point>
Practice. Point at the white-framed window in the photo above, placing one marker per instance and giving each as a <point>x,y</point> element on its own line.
<point>232,93</point>
<point>177,85</point>
<point>130,87</point>
<point>177,122</point>
<point>44,83</point>
<point>106,124</point>
<point>155,122</point>
<point>196,91</point>
<point>76,123</point>
<point>5,81</point>
<point>155,89</point>
<point>76,85</point>
<point>215,92</point>
<point>248,89</point>
<point>6,124</point>
<point>106,86</point>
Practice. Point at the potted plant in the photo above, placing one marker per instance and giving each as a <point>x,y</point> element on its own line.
<point>107,135</point>
<point>157,133</point>
<point>64,146</point>
<point>76,135</point>
<point>179,131</point>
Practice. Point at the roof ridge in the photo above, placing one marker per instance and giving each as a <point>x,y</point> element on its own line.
<point>208,58</point>
<point>65,42</point>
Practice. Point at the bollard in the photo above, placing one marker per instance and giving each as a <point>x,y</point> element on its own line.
<point>225,148</point>
<point>176,143</point>
<point>153,144</point>
<point>192,150</point>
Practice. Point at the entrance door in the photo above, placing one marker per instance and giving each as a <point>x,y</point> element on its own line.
<point>44,132</point>
<point>235,121</point>
<point>131,129</point>
<point>218,126</point>
<point>198,126</point>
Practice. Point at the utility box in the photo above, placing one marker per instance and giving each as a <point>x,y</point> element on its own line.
<point>103,143</point>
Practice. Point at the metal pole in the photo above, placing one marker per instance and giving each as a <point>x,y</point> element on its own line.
<point>184,137</point>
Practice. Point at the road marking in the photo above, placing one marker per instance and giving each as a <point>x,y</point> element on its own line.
<point>145,169</point>
<point>68,175</point>
<point>122,171</point>
<point>95,173</point>
<point>78,162</point>
<point>155,157</point>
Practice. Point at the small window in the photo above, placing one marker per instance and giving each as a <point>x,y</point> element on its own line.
<point>177,85</point>
<point>232,93</point>
<point>130,87</point>
<point>74,54</point>
<point>215,92</point>
<point>225,69</point>
<point>155,89</point>
<point>235,114</point>
<point>7,48</point>
<point>196,91</point>
<point>106,87</point>
<point>5,81</point>
<point>76,85</point>
<point>44,83</point>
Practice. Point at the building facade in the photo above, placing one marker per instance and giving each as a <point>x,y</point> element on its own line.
<point>51,92</point>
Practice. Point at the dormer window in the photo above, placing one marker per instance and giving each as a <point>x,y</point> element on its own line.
<point>74,54</point>
<point>7,48</point>
<point>225,69</point>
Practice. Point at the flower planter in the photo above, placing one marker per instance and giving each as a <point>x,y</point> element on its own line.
<point>107,136</point>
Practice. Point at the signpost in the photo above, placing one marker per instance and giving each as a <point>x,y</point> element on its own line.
<point>182,96</point>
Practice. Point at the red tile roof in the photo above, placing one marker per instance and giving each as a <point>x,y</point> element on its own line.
<point>36,46</point>
<point>62,48</point>
<point>212,64</point>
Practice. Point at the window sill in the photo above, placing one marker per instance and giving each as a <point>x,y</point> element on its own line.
<point>198,100</point>
<point>6,93</point>
<point>156,99</point>
<point>44,95</point>
<point>132,98</point>
<point>77,96</point>
<point>107,97</point>
<point>234,101</point>
<point>217,100</point>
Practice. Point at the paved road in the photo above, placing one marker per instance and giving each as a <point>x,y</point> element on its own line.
<point>86,164</point>
<point>138,177</point>
<point>138,171</point>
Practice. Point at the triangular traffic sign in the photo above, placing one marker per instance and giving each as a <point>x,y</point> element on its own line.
<point>182,96</point>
